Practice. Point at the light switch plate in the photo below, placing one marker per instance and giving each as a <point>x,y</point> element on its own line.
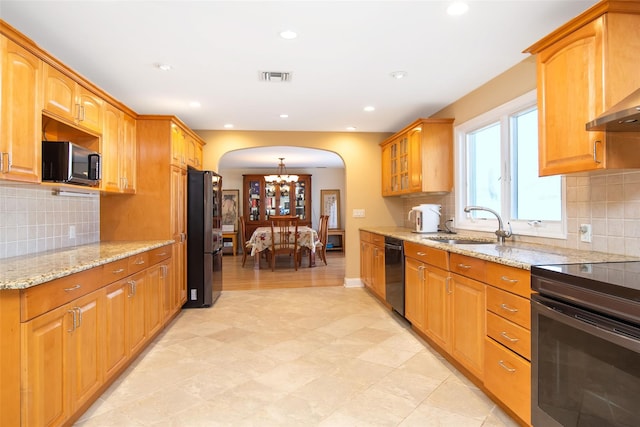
<point>358,213</point>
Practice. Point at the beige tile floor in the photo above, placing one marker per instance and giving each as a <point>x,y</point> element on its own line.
<point>330,356</point>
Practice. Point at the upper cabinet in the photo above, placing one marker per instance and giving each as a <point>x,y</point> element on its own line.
<point>21,113</point>
<point>186,150</point>
<point>118,151</point>
<point>419,158</point>
<point>583,69</point>
<point>66,99</point>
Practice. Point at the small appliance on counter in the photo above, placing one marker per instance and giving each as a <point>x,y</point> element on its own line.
<point>427,218</point>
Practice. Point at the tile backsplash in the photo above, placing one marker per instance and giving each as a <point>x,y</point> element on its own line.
<point>32,220</point>
<point>609,201</point>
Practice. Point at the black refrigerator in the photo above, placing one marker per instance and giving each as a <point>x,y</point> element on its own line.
<point>204,238</point>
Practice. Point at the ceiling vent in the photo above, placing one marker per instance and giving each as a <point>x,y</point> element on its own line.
<point>275,76</point>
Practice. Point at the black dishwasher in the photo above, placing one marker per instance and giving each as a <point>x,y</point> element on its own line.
<point>394,273</point>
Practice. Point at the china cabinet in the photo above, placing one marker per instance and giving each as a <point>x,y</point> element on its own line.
<point>263,199</point>
<point>584,68</point>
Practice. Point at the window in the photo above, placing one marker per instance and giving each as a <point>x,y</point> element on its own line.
<point>497,168</point>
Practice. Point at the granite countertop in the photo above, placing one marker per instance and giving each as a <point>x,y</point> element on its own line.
<point>512,253</point>
<point>29,270</point>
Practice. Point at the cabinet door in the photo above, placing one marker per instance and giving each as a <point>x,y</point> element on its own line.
<point>111,142</point>
<point>21,113</point>
<point>438,323</point>
<point>178,146</point>
<point>302,200</point>
<point>386,170</point>
<point>116,327</point>
<point>128,155</point>
<point>414,184</point>
<point>377,272</point>
<point>570,94</point>
<point>90,114</point>
<point>136,295</point>
<point>415,293</point>
<point>366,263</point>
<point>154,294</point>
<point>468,323</point>
<point>59,94</point>
<point>45,368</point>
<point>87,347</point>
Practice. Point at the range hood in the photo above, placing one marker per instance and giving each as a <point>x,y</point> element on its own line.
<point>622,117</point>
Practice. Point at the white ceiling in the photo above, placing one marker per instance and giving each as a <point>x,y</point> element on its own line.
<point>341,60</point>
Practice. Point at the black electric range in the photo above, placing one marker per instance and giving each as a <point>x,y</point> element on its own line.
<point>612,288</point>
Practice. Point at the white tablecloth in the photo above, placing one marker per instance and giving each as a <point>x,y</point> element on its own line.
<point>261,238</point>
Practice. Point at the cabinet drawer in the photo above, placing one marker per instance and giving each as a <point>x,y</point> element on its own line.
<point>509,306</point>
<point>377,239</point>
<point>508,377</point>
<point>510,279</point>
<point>159,254</point>
<point>138,262</point>
<point>365,236</point>
<point>115,270</point>
<point>509,334</point>
<point>468,266</point>
<point>426,254</point>
<point>39,299</point>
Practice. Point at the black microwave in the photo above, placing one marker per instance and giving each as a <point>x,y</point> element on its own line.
<point>64,161</point>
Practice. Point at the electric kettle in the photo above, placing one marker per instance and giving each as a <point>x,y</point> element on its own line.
<point>427,218</point>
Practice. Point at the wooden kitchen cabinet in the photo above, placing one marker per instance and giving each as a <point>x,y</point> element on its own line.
<point>372,263</point>
<point>415,292</point>
<point>62,359</point>
<point>419,158</point>
<point>118,151</point>
<point>584,68</point>
<point>21,113</point>
<point>263,199</point>
<point>66,99</point>
<point>468,323</point>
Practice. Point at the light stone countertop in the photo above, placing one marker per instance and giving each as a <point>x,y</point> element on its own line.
<point>511,253</point>
<point>29,270</point>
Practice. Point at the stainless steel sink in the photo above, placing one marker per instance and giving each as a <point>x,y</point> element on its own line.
<point>461,241</point>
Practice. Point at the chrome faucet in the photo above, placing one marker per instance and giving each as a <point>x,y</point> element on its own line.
<point>500,232</point>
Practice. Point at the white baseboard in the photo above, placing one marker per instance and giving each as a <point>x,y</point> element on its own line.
<point>353,283</point>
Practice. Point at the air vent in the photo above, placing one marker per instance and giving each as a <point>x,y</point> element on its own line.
<point>275,76</point>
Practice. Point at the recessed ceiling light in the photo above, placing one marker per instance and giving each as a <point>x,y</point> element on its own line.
<point>284,116</point>
<point>288,34</point>
<point>195,104</point>
<point>369,108</point>
<point>457,8</point>
<point>399,74</point>
<point>163,67</point>
<point>351,128</point>
<point>228,126</point>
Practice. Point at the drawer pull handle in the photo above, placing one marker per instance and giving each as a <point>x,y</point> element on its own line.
<point>506,279</point>
<point>73,313</point>
<point>509,309</point>
<point>118,271</point>
<point>505,367</point>
<point>464,266</point>
<point>161,254</point>
<point>506,336</point>
<point>421,253</point>
<point>139,262</point>
<point>73,288</point>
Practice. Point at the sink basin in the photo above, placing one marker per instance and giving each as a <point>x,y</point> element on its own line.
<point>461,241</point>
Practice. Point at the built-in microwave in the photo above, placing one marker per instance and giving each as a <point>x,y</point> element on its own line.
<point>64,161</point>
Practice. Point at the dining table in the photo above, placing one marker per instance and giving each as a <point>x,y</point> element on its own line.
<point>261,240</point>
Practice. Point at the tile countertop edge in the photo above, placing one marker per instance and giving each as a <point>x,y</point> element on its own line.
<point>512,253</point>
<point>30,270</point>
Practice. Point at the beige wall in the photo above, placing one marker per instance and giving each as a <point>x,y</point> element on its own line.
<point>361,155</point>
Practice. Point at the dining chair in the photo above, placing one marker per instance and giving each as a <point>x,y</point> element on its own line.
<point>323,235</point>
<point>284,239</point>
<point>246,248</point>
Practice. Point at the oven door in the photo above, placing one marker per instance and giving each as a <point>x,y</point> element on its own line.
<point>585,367</point>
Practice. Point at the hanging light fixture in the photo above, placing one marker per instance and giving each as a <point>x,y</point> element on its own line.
<point>281,176</point>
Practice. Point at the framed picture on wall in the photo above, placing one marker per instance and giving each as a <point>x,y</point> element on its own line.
<point>230,208</point>
<point>330,200</point>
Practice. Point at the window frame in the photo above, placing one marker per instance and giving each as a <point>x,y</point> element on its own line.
<point>503,115</point>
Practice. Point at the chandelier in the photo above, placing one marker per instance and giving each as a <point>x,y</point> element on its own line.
<point>281,176</point>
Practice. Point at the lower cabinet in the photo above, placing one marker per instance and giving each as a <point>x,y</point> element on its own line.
<point>70,352</point>
<point>372,263</point>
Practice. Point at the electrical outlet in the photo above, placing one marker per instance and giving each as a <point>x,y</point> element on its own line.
<point>194,294</point>
<point>358,213</point>
<point>585,233</point>
<point>72,231</point>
